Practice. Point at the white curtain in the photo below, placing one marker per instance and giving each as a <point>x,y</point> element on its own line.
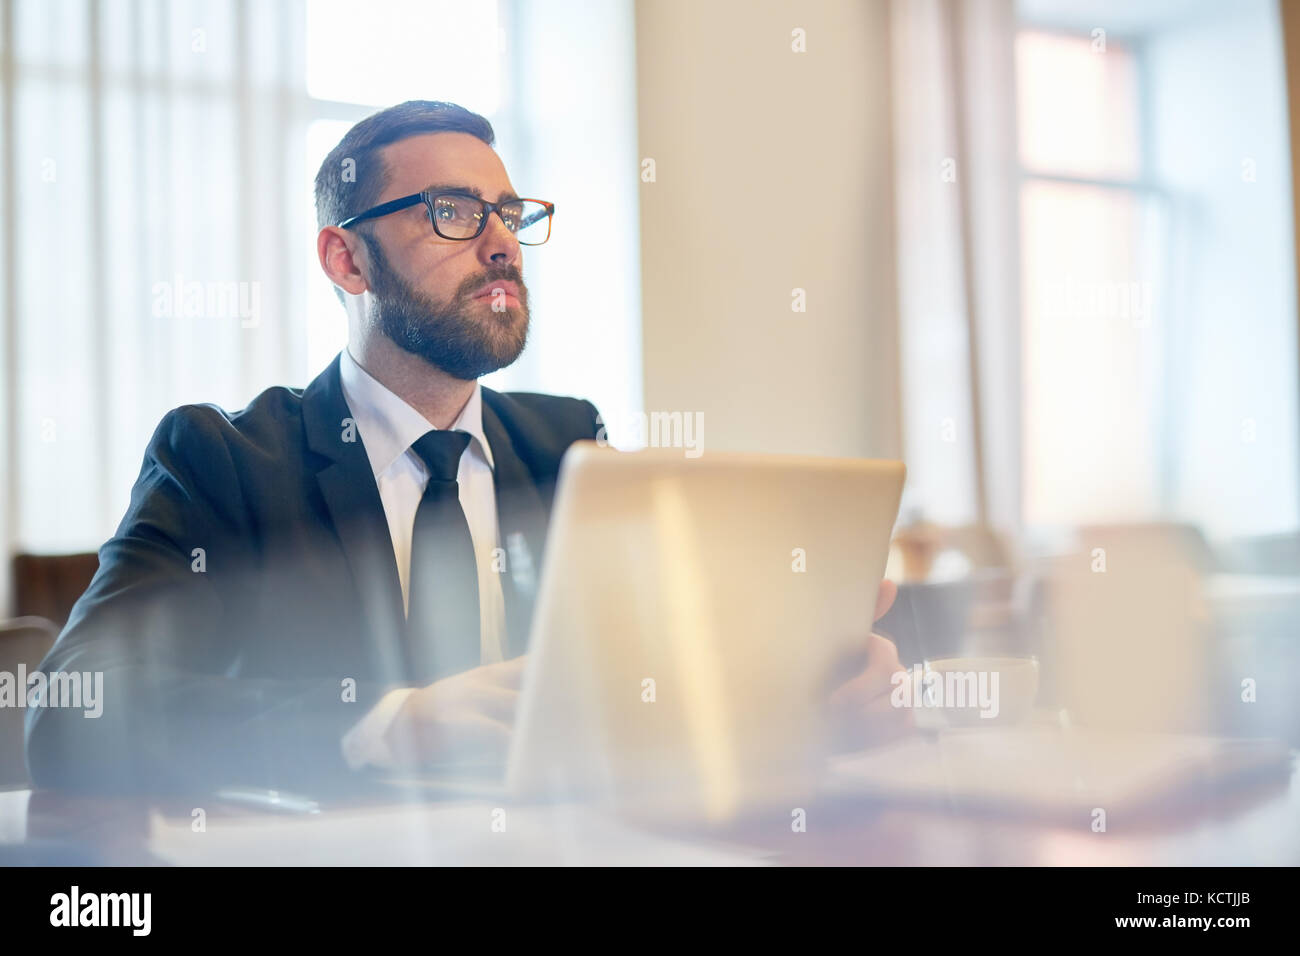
<point>152,183</point>
<point>954,125</point>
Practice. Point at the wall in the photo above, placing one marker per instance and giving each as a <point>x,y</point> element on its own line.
<point>742,128</point>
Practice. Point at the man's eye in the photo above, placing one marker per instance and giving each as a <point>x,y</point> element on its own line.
<point>446,213</point>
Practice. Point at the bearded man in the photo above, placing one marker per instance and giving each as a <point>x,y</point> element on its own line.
<point>339,580</point>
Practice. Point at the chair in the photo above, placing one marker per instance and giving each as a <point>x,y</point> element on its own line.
<point>945,618</point>
<point>47,585</point>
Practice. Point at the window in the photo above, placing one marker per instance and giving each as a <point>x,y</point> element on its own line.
<point>356,65</point>
<point>526,67</point>
<point>1091,240</point>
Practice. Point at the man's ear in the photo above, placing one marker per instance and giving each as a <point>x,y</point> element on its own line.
<point>337,251</point>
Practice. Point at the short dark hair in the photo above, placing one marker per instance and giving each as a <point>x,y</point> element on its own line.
<point>353,175</point>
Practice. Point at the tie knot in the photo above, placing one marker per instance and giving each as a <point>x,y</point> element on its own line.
<point>441,451</point>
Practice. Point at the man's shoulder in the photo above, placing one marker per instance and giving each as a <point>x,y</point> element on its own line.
<point>271,423</point>
<point>271,427</point>
<point>540,416</point>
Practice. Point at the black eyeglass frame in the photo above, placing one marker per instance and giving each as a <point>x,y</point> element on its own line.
<point>429,198</point>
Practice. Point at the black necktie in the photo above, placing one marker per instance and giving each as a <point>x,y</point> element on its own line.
<point>442,625</point>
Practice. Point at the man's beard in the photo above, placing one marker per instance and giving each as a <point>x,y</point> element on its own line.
<point>466,338</point>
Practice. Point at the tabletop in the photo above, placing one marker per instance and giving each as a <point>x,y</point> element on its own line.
<point>1255,824</point>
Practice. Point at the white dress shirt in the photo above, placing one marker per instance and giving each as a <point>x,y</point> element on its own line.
<point>388,426</point>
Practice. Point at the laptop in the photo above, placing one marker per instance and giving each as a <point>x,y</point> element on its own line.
<point>690,613</point>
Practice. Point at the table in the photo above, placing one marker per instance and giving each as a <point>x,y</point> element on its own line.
<point>1255,825</point>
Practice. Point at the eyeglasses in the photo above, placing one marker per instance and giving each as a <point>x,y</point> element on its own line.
<point>458,215</point>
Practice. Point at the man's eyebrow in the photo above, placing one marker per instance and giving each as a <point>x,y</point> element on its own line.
<point>468,190</point>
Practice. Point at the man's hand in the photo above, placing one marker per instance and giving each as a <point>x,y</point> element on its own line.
<point>462,719</point>
<point>885,599</point>
<point>860,711</point>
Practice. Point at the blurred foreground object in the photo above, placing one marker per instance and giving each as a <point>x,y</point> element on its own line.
<point>692,615</point>
<point>1129,629</point>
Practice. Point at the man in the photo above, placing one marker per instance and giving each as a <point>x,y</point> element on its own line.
<point>328,581</point>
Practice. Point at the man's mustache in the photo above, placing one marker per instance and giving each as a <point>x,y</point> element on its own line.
<point>474,283</point>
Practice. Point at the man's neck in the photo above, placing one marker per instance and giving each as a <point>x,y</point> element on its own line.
<point>433,393</point>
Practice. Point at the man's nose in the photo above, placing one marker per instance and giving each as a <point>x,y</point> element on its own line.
<point>497,244</point>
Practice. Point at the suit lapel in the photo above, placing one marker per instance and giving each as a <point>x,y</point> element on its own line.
<point>521,522</point>
<point>351,496</point>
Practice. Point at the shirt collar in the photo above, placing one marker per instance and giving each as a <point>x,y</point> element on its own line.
<point>388,425</point>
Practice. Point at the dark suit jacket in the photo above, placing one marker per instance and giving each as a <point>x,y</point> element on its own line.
<point>233,664</point>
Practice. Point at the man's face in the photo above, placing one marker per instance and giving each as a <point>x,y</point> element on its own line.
<point>459,304</point>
